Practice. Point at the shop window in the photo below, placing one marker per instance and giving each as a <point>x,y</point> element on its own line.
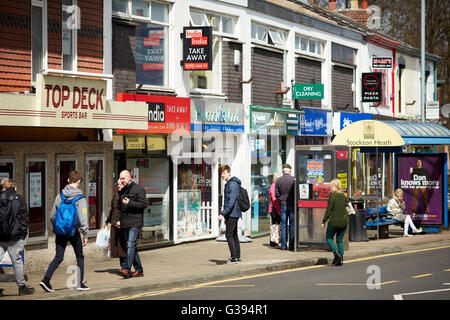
<point>194,199</point>
<point>37,37</point>
<point>95,192</point>
<point>208,79</point>
<point>6,169</point>
<point>36,197</point>
<point>69,36</point>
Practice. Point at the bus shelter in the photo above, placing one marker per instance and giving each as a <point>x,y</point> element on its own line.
<point>384,155</point>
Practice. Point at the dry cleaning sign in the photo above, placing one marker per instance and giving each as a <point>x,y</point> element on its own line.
<point>197,48</point>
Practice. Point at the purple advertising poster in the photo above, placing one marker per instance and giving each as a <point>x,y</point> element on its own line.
<point>420,177</point>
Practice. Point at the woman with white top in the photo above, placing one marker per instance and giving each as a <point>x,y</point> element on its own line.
<point>396,206</point>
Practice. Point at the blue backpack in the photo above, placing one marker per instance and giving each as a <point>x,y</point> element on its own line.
<point>66,219</point>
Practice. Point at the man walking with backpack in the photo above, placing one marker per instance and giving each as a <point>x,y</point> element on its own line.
<point>13,231</point>
<point>69,216</point>
<point>231,212</point>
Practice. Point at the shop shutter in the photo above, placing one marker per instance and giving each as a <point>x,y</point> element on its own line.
<point>267,70</point>
<point>342,94</point>
<point>231,74</point>
<point>308,71</point>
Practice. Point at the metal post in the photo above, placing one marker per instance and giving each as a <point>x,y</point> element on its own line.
<point>422,58</point>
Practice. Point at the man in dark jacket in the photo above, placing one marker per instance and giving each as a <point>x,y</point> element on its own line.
<point>284,192</point>
<point>133,202</point>
<point>14,242</point>
<point>231,212</point>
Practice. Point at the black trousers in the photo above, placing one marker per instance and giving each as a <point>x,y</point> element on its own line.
<point>231,233</point>
<point>61,243</point>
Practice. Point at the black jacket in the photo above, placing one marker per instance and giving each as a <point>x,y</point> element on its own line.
<point>284,190</point>
<point>132,214</point>
<point>20,211</point>
<point>232,192</point>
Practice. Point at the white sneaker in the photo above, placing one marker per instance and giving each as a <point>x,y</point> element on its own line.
<point>418,230</point>
<point>408,235</point>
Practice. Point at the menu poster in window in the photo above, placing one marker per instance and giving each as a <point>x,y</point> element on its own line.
<point>315,171</point>
<point>35,190</point>
<point>134,175</point>
<point>92,189</point>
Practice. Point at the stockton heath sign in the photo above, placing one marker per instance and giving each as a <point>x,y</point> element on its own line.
<point>70,102</point>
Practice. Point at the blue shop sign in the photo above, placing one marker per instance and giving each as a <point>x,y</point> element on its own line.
<point>348,118</point>
<point>315,122</point>
<point>213,116</point>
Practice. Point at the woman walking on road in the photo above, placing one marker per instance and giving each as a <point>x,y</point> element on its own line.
<point>338,221</point>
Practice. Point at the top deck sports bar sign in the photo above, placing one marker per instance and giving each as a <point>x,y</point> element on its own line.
<point>70,102</point>
<point>197,48</point>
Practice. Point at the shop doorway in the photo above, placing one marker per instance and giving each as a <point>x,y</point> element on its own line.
<point>64,166</point>
<point>94,193</point>
<point>36,186</point>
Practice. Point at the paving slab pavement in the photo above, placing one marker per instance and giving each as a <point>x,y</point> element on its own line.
<point>203,261</point>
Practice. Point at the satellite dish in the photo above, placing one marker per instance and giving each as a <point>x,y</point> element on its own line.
<point>445,110</point>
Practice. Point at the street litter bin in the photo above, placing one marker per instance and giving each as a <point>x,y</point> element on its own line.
<point>357,226</point>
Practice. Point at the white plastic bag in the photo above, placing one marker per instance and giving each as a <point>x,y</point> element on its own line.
<point>102,240</point>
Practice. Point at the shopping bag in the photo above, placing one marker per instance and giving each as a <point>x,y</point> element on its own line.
<point>275,233</point>
<point>102,240</point>
<point>349,208</point>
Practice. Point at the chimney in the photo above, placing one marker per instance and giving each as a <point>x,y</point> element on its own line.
<point>360,15</point>
<point>332,4</point>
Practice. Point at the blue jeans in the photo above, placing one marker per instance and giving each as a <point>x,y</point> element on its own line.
<point>287,214</point>
<point>131,235</point>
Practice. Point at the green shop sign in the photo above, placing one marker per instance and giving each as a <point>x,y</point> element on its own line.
<point>307,91</point>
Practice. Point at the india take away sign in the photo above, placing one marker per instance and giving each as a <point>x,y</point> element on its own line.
<point>197,48</point>
<point>307,91</point>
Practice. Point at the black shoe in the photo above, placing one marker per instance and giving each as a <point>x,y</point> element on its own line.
<point>83,287</point>
<point>45,284</point>
<point>24,290</point>
<point>338,260</point>
<point>1,292</point>
<point>232,260</point>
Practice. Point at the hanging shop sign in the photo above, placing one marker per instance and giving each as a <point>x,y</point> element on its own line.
<point>197,48</point>
<point>164,114</point>
<point>423,180</point>
<point>268,120</point>
<point>372,90</point>
<point>342,120</point>
<point>316,122</point>
<point>211,116</point>
<point>381,62</point>
<point>70,102</point>
<point>307,91</point>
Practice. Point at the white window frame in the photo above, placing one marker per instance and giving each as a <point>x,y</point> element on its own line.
<point>42,4</point>
<point>307,51</point>
<point>74,42</point>
<point>148,19</point>
<point>269,33</point>
<point>218,35</point>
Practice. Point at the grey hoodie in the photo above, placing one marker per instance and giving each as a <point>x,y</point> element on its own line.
<point>70,193</point>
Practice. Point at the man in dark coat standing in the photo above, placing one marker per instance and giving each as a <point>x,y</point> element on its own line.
<point>231,213</point>
<point>284,192</point>
<point>133,202</point>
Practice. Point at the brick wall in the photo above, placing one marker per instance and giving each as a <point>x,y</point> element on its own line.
<point>267,70</point>
<point>15,57</point>
<point>231,74</point>
<point>123,56</point>
<point>308,71</point>
<point>342,94</point>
